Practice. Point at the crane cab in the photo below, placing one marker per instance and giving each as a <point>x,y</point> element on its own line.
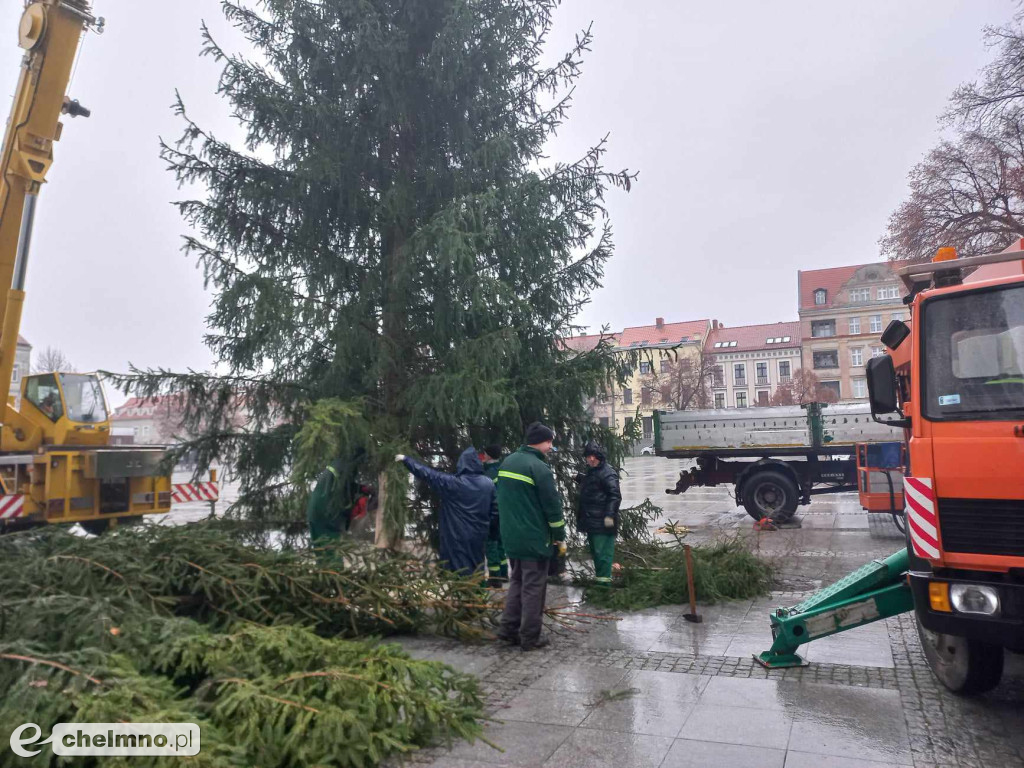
<point>70,408</point>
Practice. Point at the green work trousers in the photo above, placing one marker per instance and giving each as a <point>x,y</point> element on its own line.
<point>497,563</point>
<point>602,548</point>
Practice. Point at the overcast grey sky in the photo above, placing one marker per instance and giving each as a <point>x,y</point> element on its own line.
<point>770,137</point>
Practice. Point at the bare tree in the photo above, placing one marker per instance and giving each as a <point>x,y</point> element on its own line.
<point>683,381</point>
<point>999,91</point>
<point>968,194</point>
<point>805,387</point>
<point>52,360</point>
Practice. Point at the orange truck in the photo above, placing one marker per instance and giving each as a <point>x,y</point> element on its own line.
<point>955,377</point>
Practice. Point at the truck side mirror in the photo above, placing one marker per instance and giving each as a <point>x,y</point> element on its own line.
<point>895,333</point>
<point>881,375</point>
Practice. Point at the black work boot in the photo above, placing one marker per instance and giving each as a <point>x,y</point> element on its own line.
<point>540,642</point>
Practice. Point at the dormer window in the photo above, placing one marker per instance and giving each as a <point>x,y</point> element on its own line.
<point>820,296</point>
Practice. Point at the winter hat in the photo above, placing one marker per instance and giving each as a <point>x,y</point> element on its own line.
<point>593,449</point>
<point>537,433</point>
<point>494,451</point>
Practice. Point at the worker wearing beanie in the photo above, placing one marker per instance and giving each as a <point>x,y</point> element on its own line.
<point>598,515</point>
<point>497,561</point>
<point>531,521</point>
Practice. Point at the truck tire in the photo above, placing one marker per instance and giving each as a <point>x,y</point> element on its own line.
<point>770,494</point>
<point>97,526</point>
<point>962,665</point>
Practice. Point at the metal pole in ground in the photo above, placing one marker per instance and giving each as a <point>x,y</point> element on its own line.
<point>213,504</point>
<point>692,616</point>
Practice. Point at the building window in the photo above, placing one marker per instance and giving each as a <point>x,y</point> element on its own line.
<point>857,356</point>
<point>826,359</point>
<point>899,316</point>
<point>741,399</point>
<point>145,430</point>
<point>876,323</point>
<point>823,328</point>
<point>739,373</point>
<point>665,366</point>
<point>603,421</point>
<point>627,397</point>
<point>784,371</point>
<point>645,396</point>
<point>17,374</point>
<point>860,295</point>
<point>602,398</point>
<point>648,422</point>
<point>645,367</point>
<point>854,326</point>
<point>820,296</point>
<point>888,292</point>
<point>877,351</point>
<point>719,399</point>
<point>666,394</point>
<point>834,386</point>
<point>718,376</point>
<point>762,397</point>
<point>762,373</point>
<point>860,387</point>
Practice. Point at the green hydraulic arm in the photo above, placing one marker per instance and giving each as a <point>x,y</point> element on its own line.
<point>872,592</point>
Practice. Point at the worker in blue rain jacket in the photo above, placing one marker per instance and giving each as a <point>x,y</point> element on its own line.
<point>468,507</point>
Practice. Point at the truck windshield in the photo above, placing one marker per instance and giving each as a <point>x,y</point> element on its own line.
<point>83,397</point>
<point>973,361</point>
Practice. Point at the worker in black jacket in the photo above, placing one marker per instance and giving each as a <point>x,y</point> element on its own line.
<point>598,514</point>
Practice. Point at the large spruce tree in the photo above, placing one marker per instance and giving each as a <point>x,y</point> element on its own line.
<point>394,260</point>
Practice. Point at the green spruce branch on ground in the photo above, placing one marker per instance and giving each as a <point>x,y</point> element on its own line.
<point>193,624</point>
<point>653,570</point>
<point>654,574</point>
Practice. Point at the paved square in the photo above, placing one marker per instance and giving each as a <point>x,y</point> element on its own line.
<point>654,690</point>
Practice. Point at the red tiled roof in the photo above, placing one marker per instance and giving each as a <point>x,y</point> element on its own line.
<point>669,333</point>
<point>587,342</point>
<point>122,411</point>
<point>832,280</point>
<point>754,337</point>
<point>22,341</point>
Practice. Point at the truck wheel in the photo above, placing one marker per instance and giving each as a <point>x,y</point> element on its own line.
<point>963,665</point>
<point>96,527</point>
<point>770,494</point>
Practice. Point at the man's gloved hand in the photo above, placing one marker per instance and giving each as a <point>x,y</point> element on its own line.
<point>399,457</point>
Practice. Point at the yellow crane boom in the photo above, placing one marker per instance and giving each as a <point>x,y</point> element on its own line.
<point>49,32</point>
<point>56,461</point>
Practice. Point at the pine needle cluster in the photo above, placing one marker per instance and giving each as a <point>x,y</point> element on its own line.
<point>192,624</point>
<point>655,574</point>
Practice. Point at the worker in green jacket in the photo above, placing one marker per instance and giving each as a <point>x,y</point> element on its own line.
<point>497,562</point>
<point>337,499</point>
<point>530,513</point>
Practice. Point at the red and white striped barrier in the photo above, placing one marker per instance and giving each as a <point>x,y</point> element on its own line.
<point>12,506</point>
<point>182,493</point>
<point>921,518</point>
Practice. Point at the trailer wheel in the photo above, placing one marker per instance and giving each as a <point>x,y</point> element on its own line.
<point>770,494</point>
<point>963,665</point>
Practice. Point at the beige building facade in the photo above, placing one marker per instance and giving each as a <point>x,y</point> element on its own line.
<point>750,361</point>
<point>843,311</point>
<point>658,347</point>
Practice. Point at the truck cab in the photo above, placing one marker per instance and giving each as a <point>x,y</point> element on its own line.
<point>955,376</point>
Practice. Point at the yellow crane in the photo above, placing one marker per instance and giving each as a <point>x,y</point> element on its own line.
<point>56,461</point>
